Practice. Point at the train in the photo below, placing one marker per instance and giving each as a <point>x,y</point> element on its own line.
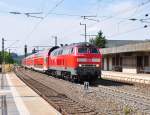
<point>79,61</point>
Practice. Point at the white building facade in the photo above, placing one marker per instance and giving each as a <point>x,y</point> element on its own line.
<point>131,58</point>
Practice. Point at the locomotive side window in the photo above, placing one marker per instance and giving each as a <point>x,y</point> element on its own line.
<point>82,50</point>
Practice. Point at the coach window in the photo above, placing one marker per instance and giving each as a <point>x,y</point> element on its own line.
<point>67,51</point>
<point>71,51</point>
<point>55,54</point>
<point>64,51</point>
<point>52,53</point>
<point>60,52</point>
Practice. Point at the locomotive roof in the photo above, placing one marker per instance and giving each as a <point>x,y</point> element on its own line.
<point>80,45</point>
<point>46,52</point>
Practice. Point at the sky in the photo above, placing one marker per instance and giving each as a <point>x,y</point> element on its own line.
<point>62,18</point>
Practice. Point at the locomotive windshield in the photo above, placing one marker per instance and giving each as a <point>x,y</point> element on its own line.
<point>83,50</point>
<point>87,50</point>
<point>94,50</point>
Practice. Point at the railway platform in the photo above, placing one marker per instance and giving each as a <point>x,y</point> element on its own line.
<point>126,77</point>
<point>16,98</point>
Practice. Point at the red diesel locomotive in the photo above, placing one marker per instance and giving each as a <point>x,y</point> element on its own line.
<point>80,61</point>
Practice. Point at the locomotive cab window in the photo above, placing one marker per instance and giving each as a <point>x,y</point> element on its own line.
<point>94,50</point>
<point>82,50</point>
<point>87,50</point>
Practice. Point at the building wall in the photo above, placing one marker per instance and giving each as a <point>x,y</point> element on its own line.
<point>110,63</point>
<point>129,61</point>
<point>129,70</point>
<point>105,63</point>
<point>135,62</point>
<point>129,64</point>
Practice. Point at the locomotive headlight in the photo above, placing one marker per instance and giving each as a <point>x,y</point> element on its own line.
<point>81,59</point>
<point>97,65</point>
<point>96,60</point>
<point>80,65</point>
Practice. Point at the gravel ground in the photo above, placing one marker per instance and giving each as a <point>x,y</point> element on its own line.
<point>94,97</point>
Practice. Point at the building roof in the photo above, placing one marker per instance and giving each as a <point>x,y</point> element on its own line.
<point>137,47</point>
<point>116,43</point>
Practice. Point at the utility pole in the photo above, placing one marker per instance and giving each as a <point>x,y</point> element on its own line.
<point>87,18</point>
<point>84,29</point>
<point>3,64</point>
<point>55,37</point>
<point>55,40</point>
<point>9,58</point>
<point>25,53</point>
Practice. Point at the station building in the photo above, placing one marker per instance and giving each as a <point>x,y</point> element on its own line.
<point>129,58</point>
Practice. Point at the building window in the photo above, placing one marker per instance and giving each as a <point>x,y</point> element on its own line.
<point>113,61</point>
<point>146,60</point>
<point>129,62</point>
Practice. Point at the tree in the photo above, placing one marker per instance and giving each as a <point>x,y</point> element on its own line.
<point>8,58</point>
<point>99,40</point>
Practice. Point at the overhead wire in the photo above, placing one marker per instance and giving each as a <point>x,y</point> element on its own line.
<point>50,12</point>
<point>125,32</point>
<point>127,10</point>
<point>65,14</point>
<point>136,9</point>
<point>36,26</point>
<point>119,13</point>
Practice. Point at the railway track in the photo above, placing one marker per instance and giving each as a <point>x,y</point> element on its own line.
<point>136,101</point>
<point>104,92</point>
<point>60,101</point>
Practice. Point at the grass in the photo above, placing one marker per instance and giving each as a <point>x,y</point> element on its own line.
<point>127,110</point>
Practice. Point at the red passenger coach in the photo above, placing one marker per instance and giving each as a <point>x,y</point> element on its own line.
<point>40,61</point>
<point>28,62</point>
<point>81,61</point>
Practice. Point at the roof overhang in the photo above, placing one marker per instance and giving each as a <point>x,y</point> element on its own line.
<point>138,47</point>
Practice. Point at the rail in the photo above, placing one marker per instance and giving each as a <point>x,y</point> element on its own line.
<point>59,101</point>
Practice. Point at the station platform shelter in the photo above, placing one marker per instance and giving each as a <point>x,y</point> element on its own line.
<point>130,58</point>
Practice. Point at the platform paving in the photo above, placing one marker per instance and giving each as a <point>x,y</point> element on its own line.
<point>129,77</point>
<point>6,97</point>
<point>16,98</point>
